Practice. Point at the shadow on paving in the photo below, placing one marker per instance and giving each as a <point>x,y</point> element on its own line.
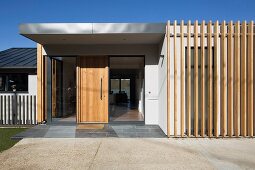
<point>109,130</point>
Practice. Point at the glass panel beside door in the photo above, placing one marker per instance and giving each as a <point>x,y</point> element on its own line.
<point>57,96</point>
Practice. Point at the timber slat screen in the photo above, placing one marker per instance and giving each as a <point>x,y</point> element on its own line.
<point>216,95</point>
<point>18,110</point>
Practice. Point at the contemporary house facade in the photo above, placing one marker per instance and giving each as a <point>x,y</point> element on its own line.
<point>190,79</point>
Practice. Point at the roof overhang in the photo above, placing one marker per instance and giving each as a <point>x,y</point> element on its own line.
<point>94,33</point>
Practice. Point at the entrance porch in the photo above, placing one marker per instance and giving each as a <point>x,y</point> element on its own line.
<point>115,76</point>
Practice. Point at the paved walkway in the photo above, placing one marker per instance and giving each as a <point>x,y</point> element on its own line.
<point>108,130</point>
<point>130,153</point>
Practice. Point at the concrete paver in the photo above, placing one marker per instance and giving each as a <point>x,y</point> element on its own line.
<point>61,130</point>
<point>129,153</point>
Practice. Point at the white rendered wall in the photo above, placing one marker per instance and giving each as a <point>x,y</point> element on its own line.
<point>162,87</point>
<point>32,84</point>
<point>140,91</point>
<point>151,67</point>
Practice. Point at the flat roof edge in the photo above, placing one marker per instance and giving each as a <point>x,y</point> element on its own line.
<point>91,28</point>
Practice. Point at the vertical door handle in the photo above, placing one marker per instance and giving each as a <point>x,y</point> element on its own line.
<point>101,89</point>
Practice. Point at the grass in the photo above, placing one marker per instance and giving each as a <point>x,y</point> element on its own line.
<point>5,137</point>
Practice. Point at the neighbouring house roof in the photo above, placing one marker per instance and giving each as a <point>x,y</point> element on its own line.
<point>18,58</point>
<point>94,33</point>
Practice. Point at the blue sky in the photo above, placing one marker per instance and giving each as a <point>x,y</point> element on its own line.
<point>14,12</point>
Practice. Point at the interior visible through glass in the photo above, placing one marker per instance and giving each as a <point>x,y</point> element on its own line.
<point>64,89</point>
<point>126,92</point>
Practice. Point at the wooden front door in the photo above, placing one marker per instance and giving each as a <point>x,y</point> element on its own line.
<point>92,89</point>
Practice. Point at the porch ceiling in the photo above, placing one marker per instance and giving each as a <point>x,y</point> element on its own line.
<point>94,33</point>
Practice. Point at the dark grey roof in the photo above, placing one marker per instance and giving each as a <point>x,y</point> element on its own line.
<point>18,58</point>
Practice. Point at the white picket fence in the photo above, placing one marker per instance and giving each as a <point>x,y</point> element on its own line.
<point>18,109</point>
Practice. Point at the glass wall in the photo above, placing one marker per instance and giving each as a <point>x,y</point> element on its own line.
<point>57,95</point>
<point>63,88</point>
<point>126,90</point>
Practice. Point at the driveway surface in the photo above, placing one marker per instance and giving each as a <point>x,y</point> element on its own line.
<point>130,153</point>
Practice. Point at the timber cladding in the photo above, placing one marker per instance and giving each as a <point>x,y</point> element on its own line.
<point>213,63</point>
<point>41,85</point>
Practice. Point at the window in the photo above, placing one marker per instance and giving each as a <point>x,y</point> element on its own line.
<point>2,83</point>
<point>115,86</point>
<point>12,82</point>
<point>120,86</point>
<point>125,87</point>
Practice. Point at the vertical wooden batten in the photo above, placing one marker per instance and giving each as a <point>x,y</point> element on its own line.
<point>168,77</point>
<point>223,79</point>
<point>182,79</point>
<point>210,78</point>
<point>196,79</point>
<point>250,84</point>
<point>236,108</point>
<point>175,81</point>
<point>188,80</point>
<point>202,109</point>
<point>230,78</point>
<point>40,84</point>
<point>243,79</point>
<point>216,78</point>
